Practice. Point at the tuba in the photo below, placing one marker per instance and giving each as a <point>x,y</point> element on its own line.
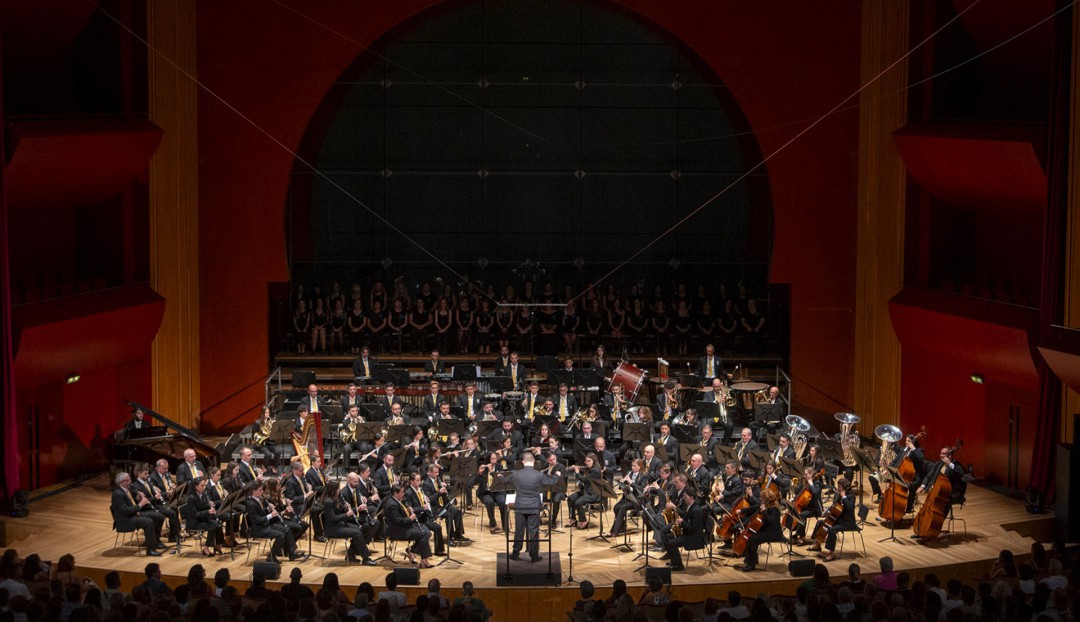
<point>888,435</point>
<point>797,429</point>
<point>848,438</point>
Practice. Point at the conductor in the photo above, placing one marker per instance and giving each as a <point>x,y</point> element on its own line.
<point>527,483</point>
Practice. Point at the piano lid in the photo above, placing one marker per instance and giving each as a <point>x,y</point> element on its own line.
<point>172,446</point>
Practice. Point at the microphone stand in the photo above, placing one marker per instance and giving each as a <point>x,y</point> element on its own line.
<point>570,555</point>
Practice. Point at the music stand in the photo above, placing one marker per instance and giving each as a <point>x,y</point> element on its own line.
<point>603,489</point>
<point>500,384</point>
<point>581,448</point>
<point>898,480</point>
<point>399,433</point>
<point>797,520</point>
<point>463,372</point>
<point>661,452</point>
<point>399,457</point>
<point>585,378</point>
<point>374,412</point>
<point>446,427</point>
<point>558,487</point>
<point>548,419</point>
<point>485,428</point>
<point>684,433</point>
<point>653,521</point>
<point>758,460</point>
<point>687,451</point>
<point>637,432</point>
<point>599,428</point>
<point>791,466</point>
<point>707,410</point>
<point>725,454</point>
<point>560,376</point>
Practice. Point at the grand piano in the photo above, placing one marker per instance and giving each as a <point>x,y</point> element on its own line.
<point>165,439</point>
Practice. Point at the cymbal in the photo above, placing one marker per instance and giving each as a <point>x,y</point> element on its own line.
<point>749,386</point>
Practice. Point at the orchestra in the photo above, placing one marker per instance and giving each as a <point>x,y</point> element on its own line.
<point>430,453</point>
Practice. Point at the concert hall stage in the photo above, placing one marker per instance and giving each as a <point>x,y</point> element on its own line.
<point>75,520</point>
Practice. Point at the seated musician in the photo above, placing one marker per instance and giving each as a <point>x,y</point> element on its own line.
<point>415,450</point>
<point>783,449</point>
<point>533,404</point>
<point>434,365</point>
<point>540,439</point>
<point>746,445</point>
<point>668,401</point>
<point>566,405</point>
<point>386,476</point>
<point>651,462</point>
<point>814,459</point>
<point>770,530</point>
<point>691,520</point>
<point>248,472</point>
<point>435,490</point>
<point>585,474</point>
<point>951,469</point>
<point>290,516</point>
<point>351,398</point>
<point>315,476</point>
<point>470,402</point>
<point>422,508</point>
<point>632,483</point>
<point>616,403</point>
<point>137,421</point>
<point>488,412</point>
<point>722,420</point>
<point>733,492</point>
<point>432,399</point>
<point>491,498</point>
<point>340,521</point>
<point>604,459</point>
<point>752,490</point>
<point>587,433</point>
<point>295,488</point>
<point>264,521</point>
<point>689,419</point>
<point>216,490</point>
<point>667,441</point>
<point>453,443</point>
<point>160,489</point>
<point>808,501</point>
<point>190,469</point>
<point>913,451</point>
<point>401,524</point>
<point>845,522</point>
<point>508,453</point>
<point>131,510</point>
<point>774,475</point>
<point>708,445</point>
<point>507,431</point>
<point>552,467</point>
<point>202,516</point>
<point>350,435</point>
<point>362,365</point>
<point>700,475</point>
<point>388,399</point>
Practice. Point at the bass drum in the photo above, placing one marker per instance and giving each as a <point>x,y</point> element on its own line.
<point>630,378</point>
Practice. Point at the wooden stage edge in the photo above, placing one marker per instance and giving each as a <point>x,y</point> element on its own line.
<point>76,520</point>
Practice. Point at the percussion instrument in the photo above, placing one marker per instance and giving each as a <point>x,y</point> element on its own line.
<point>630,378</point>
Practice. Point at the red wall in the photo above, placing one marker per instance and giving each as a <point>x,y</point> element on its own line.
<point>782,64</point>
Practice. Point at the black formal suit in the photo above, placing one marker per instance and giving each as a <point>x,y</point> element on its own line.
<point>383,480</point>
<point>435,367</point>
<point>692,538</point>
<point>533,400</point>
<point>316,479</point>
<point>743,451</point>
<point>218,493</point>
<point>846,521</point>
<point>733,490</point>
<point>388,402</point>
<point>502,366</point>
<point>491,498</point>
<point>580,500</point>
<point>338,524</point>
<point>718,368</point>
<point>661,405</point>
<point>455,525</point>
<point>918,460</point>
<point>702,479</point>
<point>135,425</point>
<point>246,473</point>
<point>296,490</point>
<point>812,509</point>
<point>148,488</point>
<point>652,468</point>
<point>417,500</point>
<point>317,405</point>
<point>607,460</point>
<point>189,472</point>
<point>955,473</point>
<point>527,484</point>
<point>199,518</point>
<point>129,516</point>
<point>708,453</point>
<point>670,445</point>
<point>262,525</point>
<point>358,367</point>
<point>554,498</point>
<point>348,401</point>
<point>477,404</point>
<point>431,403</point>
<point>571,405</point>
<point>637,484</point>
<point>516,373</point>
<point>400,527</point>
<point>787,452</point>
<point>771,531</point>
<point>724,425</point>
<point>516,439</point>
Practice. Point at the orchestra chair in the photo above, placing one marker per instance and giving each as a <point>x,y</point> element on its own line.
<point>705,545</point>
<point>952,520</point>
<point>251,541</point>
<point>124,537</point>
<point>862,512</point>
<point>328,546</point>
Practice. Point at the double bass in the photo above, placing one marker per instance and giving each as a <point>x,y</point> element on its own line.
<point>894,500</point>
<point>932,514</point>
<point>789,521</point>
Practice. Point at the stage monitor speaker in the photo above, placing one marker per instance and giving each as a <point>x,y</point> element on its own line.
<point>407,576</point>
<point>801,567</point>
<point>267,569</point>
<point>301,378</point>
<point>663,573</point>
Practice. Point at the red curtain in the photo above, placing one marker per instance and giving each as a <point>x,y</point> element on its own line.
<point>1053,257</point>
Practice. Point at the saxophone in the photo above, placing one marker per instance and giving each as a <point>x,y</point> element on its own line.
<point>669,517</point>
<point>263,433</point>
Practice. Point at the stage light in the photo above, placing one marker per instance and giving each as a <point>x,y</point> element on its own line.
<point>977,378</point>
<point>73,378</point>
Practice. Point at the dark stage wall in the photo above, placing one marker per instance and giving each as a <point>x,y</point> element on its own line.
<point>783,65</point>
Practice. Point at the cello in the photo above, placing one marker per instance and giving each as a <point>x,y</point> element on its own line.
<point>833,515</point>
<point>801,501</point>
<point>932,514</point>
<point>725,530</point>
<point>894,500</point>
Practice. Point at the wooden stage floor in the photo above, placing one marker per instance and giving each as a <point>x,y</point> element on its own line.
<point>76,520</point>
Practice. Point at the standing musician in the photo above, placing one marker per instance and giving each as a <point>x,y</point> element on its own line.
<point>770,531</point>
<point>516,372</point>
<point>159,488</point>
<point>812,489</point>
<point>502,364</point>
<point>202,516</point>
<point>633,483</point>
<point>746,445</point>
<point>421,507</point>
<point>533,404</point>
<point>435,490</point>
<point>566,405</point>
<point>616,403</point>
<point>718,396</point>
<point>553,468</point>
<point>711,366</point>
<point>580,500</point>
<point>351,442</point>
<point>312,402</point>
<point>295,488</point>
<point>362,366</point>
<point>264,521</point>
<point>388,400</point>
<point>470,401</point>
<point>527,483</point>
<point>487,496</point>
<point>401,524</point>
<point>341,521</point>
<point>600,363</point>
<point>131,510</point>
<point>434,365</point>
<point>845,522</point>
<point>431,400</point>
<point>691,519</point>
<point>351,398</point>
<point>945,466</point>
<point>190,469</point>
